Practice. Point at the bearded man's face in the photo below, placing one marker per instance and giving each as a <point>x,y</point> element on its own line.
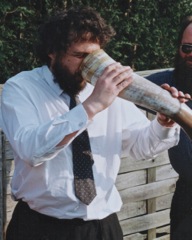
<point>71,83</point>
<point>185,50</point>
<point>65,66</point>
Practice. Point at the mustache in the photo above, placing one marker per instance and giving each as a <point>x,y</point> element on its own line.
<point>181,63</point>
<point>188,58</point>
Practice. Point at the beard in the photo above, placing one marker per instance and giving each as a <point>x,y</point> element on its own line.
<point>70,83</point>
<point>183,74</point>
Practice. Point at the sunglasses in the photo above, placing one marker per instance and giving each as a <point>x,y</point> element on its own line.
<point>186,48</point>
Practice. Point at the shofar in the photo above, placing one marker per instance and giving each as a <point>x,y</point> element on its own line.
<point>141,91</point>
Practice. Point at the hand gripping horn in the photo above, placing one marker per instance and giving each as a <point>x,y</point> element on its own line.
<point>141,91</point>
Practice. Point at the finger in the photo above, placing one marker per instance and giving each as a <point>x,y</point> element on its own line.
<point>125,74</point>
<point>161,117</point>
<point>172,90</point>
<point>112,70</point>
<point>188,96</point>
<point>181,97</point>
<point>184,97</point>
<point>117,73</point>
<point>165,86</point>
<point>164,120</point>
<point>125,83</point>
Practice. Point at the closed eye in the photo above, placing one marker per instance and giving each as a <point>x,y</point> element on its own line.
<point>80,55</point>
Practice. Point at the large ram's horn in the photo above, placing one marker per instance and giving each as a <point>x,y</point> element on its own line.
<point>141,91</point>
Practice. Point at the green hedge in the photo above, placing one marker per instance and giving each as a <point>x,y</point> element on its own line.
<point>146,31</point>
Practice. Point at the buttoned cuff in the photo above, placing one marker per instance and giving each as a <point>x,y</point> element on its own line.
<point>77,117</point>
<point>165,132</point>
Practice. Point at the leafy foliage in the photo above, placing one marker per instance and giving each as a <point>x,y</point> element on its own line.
<point>146,30</point>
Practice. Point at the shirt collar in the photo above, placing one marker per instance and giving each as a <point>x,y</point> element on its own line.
<point>49,78</point>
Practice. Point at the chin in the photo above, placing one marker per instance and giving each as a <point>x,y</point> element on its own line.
<point>189,64</point>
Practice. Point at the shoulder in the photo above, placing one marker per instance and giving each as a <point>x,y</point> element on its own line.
<point>161,77</point>
<point>24,76</point>
<point>24,83</point>
<point>24,79</point>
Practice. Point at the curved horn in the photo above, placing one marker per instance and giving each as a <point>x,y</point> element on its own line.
<point>141,91</point>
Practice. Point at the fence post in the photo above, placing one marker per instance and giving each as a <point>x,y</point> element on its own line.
<point>2,185</point>
<point>151,203</point>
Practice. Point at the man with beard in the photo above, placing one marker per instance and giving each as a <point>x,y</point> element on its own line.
<point>181,155</point>
<point>42,128</point>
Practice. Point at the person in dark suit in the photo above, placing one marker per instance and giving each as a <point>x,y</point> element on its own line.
<point>181,155</point>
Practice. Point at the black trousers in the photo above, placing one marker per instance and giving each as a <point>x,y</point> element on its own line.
<point>181,211</point>
<point>27,224</point>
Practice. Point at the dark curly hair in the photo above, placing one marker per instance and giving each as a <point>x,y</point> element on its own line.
<point>69,26</point>
<point>187,20</point>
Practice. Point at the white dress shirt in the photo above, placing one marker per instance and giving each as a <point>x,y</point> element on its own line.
<point>36,117</point>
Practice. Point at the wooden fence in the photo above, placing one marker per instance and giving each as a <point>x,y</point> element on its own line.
<point>146,188</point>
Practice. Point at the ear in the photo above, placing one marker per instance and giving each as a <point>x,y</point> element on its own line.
<point>52,57</point>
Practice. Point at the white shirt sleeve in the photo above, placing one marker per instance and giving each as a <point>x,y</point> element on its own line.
<point>35,130</point>
<point>146,141</point>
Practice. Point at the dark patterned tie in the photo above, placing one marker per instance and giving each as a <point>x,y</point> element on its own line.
<point>82,166</point>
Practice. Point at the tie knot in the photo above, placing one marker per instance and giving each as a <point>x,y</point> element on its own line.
<point>73,102</point>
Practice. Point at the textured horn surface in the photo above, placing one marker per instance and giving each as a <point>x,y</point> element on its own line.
<point>141,91</point>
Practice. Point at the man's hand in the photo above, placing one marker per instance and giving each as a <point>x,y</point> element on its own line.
<point>164,120</point>
<point>177,94</point>
<point>112,81</point>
